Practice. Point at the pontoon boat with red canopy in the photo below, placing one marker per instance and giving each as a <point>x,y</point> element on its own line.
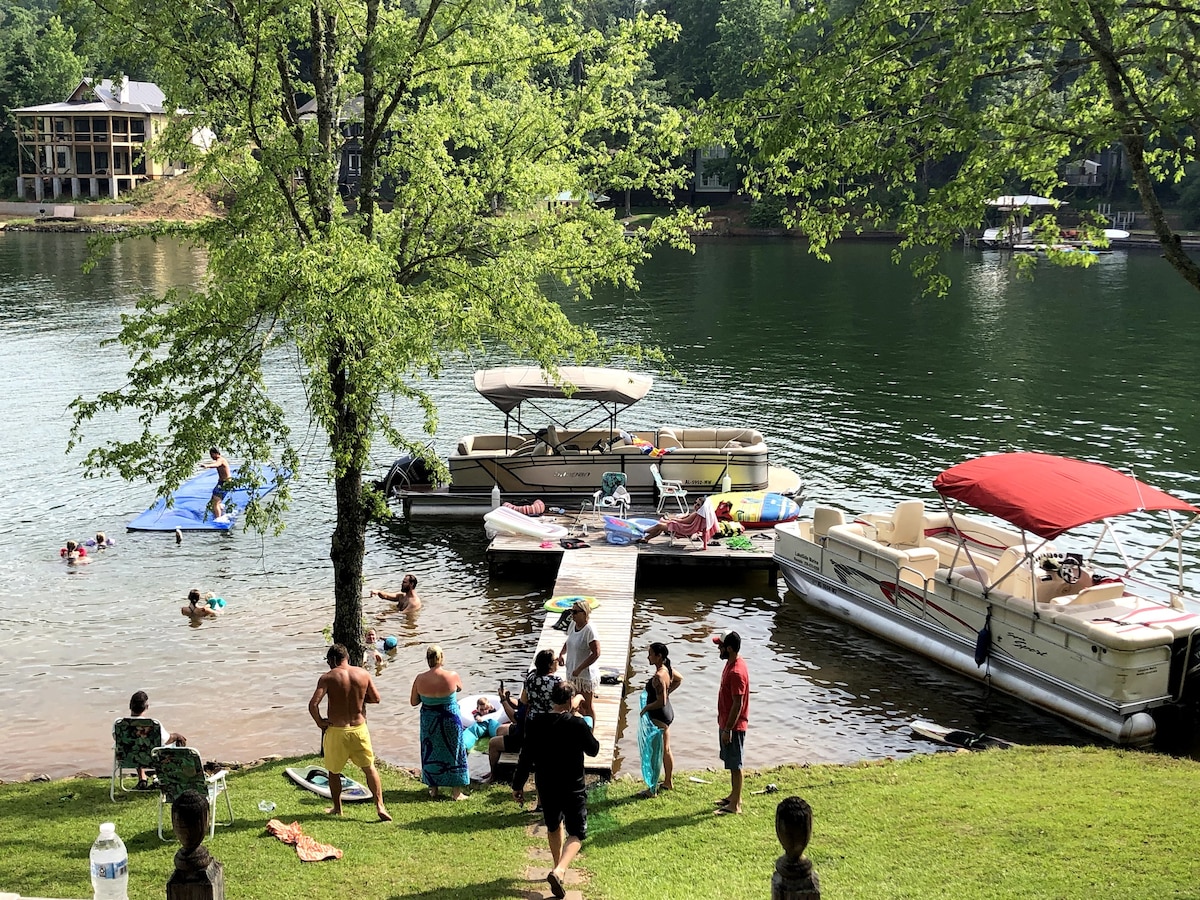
<point>1085,635</point>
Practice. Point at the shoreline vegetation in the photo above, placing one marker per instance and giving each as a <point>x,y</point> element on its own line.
<point>175,200</point>
<point>1031,822</point>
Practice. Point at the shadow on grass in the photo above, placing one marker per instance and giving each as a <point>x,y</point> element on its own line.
<point>497,889</point>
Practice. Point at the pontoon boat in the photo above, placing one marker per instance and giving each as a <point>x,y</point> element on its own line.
<point>1000,603</point>
<point>564,457</point>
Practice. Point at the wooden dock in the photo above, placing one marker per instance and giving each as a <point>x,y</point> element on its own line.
<point>609,573</point>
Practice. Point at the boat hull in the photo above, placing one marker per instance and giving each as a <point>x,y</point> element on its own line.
<point>942,623</point>
<point>580,473</point>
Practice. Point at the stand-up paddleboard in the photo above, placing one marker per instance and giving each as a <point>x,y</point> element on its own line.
<point>958,737</point>
<point>562,604</point>
<point>755,509</point>
<point>189,504</point>
<point>510,521</point>
<point>316,779</point>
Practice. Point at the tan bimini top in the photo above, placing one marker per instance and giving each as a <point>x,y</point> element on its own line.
<point>507,388</point>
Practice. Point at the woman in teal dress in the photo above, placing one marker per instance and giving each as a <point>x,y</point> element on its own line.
<point>443,755</point>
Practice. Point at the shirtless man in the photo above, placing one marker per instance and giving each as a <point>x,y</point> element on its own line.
<point>344,729</point>
<point>195,610</point>
<point>221,464</point>
<point>406,598</point>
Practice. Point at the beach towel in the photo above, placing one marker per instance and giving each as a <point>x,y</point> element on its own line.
<point>650,748</point>
<point>443,753</point>
<point>306,848</point>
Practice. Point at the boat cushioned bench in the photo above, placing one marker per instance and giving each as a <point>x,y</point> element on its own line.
<point>908,563</point>
<point>738,441</point>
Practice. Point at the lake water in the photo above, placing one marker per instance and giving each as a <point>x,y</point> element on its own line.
<point>859,382</point>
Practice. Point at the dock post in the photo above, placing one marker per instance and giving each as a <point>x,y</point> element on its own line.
<point>794,878</point>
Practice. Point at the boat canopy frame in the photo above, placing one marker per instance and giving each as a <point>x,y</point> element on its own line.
<point>1040,495</point>
<point>608,391</point>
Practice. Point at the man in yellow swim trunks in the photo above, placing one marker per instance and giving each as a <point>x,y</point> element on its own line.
<point>344,729</point>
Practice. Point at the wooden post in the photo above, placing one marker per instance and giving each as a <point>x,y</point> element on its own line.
<point>794,878</point>
<point>197,875</point>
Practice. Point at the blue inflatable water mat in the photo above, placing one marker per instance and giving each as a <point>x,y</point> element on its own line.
<point>189,505</point>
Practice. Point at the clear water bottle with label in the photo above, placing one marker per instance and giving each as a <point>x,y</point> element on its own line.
<point>110,865</point>
<point>495,496</point>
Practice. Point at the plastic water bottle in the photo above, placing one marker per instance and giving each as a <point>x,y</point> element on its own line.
<point>495,496</point>
<point>110,865</point>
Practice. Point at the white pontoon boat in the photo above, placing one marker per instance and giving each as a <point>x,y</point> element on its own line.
<point>1102,648</point>
<point>564,457</point>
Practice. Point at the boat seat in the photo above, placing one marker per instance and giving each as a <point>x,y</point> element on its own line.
<point>905,528</point>
<point>1110,590</point>
<point>1019,581</point>
<point>667,440</point>
<point>824,518</point>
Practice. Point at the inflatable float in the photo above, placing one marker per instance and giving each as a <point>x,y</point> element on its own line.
<point>466,710</point>
<point>188,509</point>
<point>316,779</point>
<point>626,531</point>
<point>562,604</point>
<point>509,521</point>
<point>755,509</point>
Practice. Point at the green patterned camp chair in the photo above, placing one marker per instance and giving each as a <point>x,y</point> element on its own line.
<point>612,496</point>
<point>133,741</point>
<point>180,769</point>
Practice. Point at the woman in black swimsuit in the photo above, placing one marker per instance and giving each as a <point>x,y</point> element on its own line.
<point>659,688</point>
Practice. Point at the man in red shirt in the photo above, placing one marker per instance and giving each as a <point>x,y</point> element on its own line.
<point>733,714</point>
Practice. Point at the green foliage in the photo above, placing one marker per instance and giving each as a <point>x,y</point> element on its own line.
<point>1007,825</point>
<point>892,114</point>
<point>476,113</point>
<point>766,212</point>
<point>38,64</point>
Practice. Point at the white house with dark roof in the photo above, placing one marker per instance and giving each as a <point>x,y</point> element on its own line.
<point>93,143</point>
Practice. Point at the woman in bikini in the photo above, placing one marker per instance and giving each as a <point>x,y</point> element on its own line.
<point>659,688</point>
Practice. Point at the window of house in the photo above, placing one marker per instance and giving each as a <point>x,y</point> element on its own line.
<point>62,159</point>
<point>353,163</point>
<point>120,128</point>
<point>139,163</point>
<point>83,162</point>
<point>61,126</point>
<point>137,130</point>
<point>99,129</point>
<point>83,129</point>
<point>101,158</point>
<point>43,125</point>
<point>121,162</point>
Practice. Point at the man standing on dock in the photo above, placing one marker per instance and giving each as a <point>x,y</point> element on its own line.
<point>733,715</point>
<point>554,746</point>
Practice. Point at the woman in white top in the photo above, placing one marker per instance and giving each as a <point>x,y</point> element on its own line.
<point>579,655</point>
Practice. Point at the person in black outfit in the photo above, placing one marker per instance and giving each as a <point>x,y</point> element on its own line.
<point>554,747</point>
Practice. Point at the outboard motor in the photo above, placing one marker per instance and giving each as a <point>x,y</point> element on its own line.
<point>407,471</point>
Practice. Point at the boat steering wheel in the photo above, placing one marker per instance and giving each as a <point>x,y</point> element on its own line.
<point>1069,571</point>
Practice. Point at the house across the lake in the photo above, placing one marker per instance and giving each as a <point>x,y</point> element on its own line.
<point>93,144</point>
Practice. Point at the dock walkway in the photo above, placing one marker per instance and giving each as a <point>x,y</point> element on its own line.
<point>609,573</point>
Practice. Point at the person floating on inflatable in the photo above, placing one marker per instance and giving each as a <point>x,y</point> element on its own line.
<point>101,541</point>
<point>214,602</point>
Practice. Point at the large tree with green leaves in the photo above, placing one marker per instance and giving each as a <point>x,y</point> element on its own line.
<point>890,111</point>
<point>474,113</point>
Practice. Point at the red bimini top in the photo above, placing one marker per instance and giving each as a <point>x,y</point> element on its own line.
<point>1048,495</point>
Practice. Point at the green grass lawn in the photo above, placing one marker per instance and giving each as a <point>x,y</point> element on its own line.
<point>1026,823</point>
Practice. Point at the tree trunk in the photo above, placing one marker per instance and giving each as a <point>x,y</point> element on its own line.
<point>346,553</point>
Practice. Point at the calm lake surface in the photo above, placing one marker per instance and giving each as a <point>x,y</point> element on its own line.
<point>866,387</point>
